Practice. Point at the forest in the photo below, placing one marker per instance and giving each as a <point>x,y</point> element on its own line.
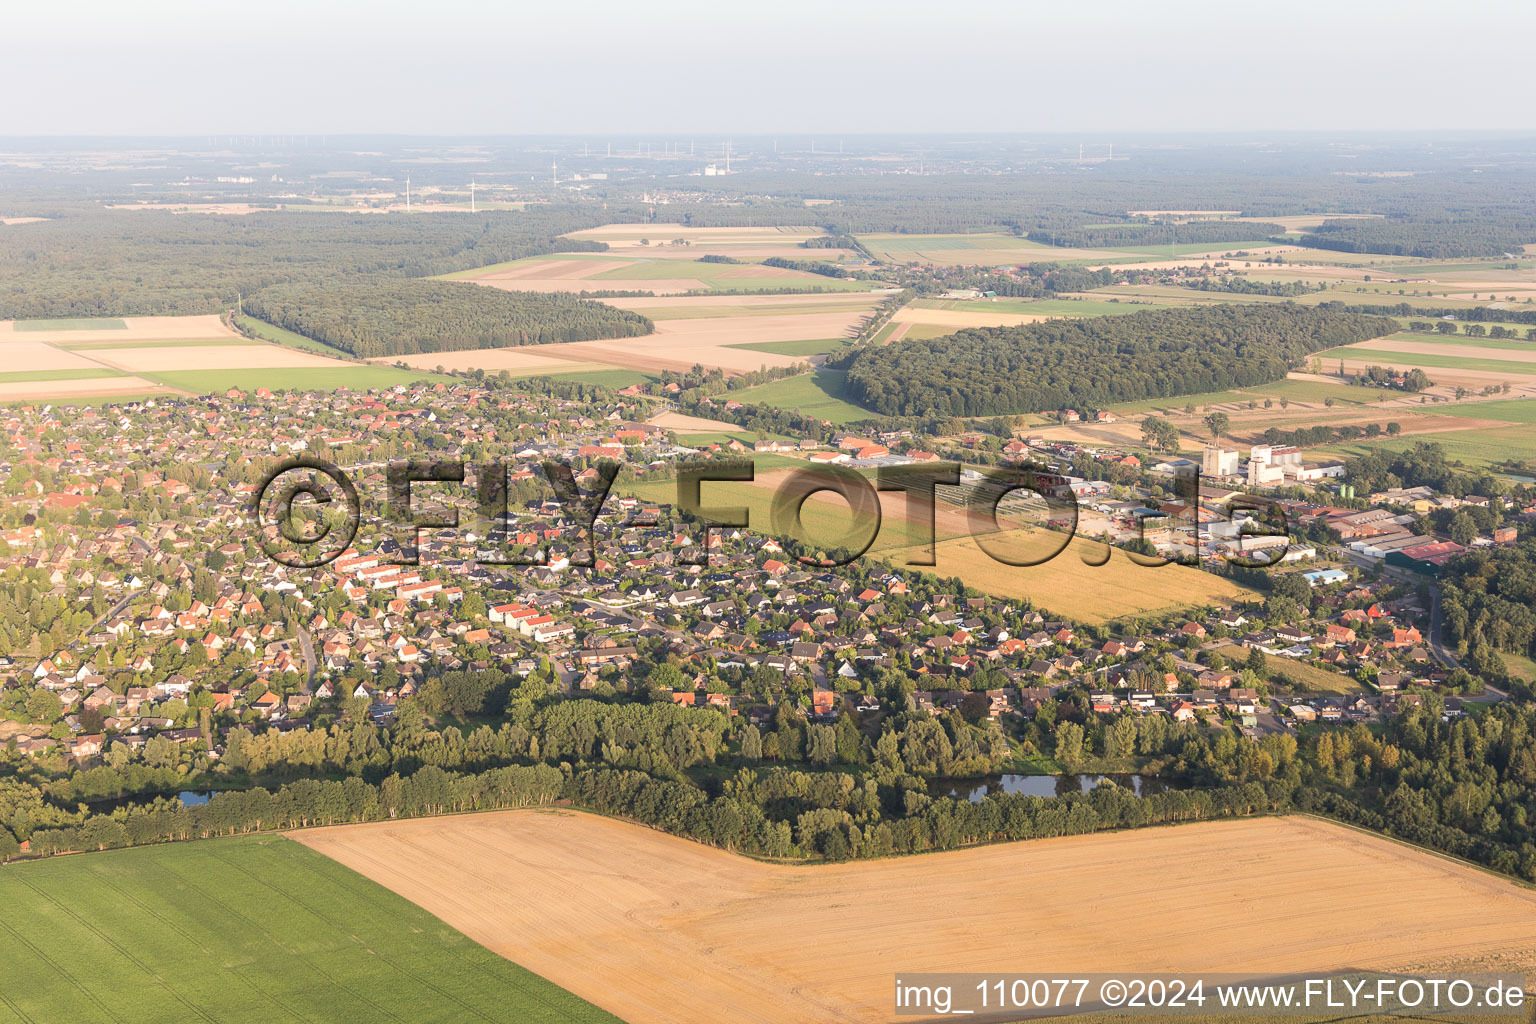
<point>1428,237</point>
<point>1098,362</point>
<point>372,316</point>
<point>1488,596</point>
<point>1148,232</point>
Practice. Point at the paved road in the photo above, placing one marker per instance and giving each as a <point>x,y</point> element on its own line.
<point>307,646</point>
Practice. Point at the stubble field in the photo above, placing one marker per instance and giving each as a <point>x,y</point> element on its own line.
<point>655,928</point>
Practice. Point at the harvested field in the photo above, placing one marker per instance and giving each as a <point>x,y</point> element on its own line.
<point>958,319</point>
<point>682,423</point>
<point>610,910</point>
<point>1067,586</point>
<point>63,389</point>
<point>749,244</point>
<point>710,341</point>
<point>20,353</point>
<point>152,359</point>
<point>518,361</point>
<point>766,305</point>
<point>1517,375</point>
<point>1519,352</point>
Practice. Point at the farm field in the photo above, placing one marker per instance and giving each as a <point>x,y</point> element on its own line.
<point>246,929</point>
<point>1401,353</point>
<point>818,394</point>
<point>145,356</point>
<point>1514,410</point>
<point>987,249</point>
<point>75,324</point>
<point>329,377</point>
<point>591,272</point>
<point>749,244</point>
<point>739,335</point>
<point>1479,448</point>
<point>517,361</point>
<point>598,909</point>
<point>802,349</point>
<point>1067,586</point>
<point>1039,307</point>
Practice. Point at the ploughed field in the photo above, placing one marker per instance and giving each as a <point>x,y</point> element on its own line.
<point>655,928</point>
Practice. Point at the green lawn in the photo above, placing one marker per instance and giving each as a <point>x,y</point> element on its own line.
<point>818,394</point>
<point>83,373</point>
<point>1511,410</point>
<point>1519,665</point>
<point>81,324</point>
<point>245,931</point>
<point>1478,448</point>
<point>797,348</point>
<point>357,377</point>
<point>273,333</point>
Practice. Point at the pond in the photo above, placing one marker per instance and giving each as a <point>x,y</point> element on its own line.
<point>1042,785</point>
<point>191,799</point>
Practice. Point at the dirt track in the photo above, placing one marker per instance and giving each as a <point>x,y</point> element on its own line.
<point>655,928</point>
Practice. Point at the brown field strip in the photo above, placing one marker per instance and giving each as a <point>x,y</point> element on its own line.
<point>655,928</point>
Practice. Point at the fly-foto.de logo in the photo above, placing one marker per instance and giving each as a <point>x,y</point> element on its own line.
<point>309,511</point>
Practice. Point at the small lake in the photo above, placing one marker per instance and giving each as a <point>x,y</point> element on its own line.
<point>1041,785</point>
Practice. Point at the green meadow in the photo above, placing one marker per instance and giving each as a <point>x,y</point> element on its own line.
<point>818,394</point>
<point>282,336</point>
<point>797,348</point>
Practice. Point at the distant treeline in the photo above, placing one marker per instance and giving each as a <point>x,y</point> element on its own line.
<point>126,263</point>
<point>372,316</point>
<point>1098,362</point>
<point>1248,286</point>
<point>1474,313</point>
<point>1428,237</point>
<point>1101,236</point>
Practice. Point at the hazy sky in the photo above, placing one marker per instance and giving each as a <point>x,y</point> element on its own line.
<point>470,67</point>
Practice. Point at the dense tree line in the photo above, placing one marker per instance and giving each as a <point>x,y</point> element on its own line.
<point>1427,236</point>
<point>113,263</point>
<point>1422,465</point>
<point>1100,361</point>
<point>1236,285</point>
<point>807,266</point>
<point>1148,232</point>
<point>1488,597</point>
<point>379,317</point>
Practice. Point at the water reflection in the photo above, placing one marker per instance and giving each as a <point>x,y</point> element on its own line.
<point>1041,785</point>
